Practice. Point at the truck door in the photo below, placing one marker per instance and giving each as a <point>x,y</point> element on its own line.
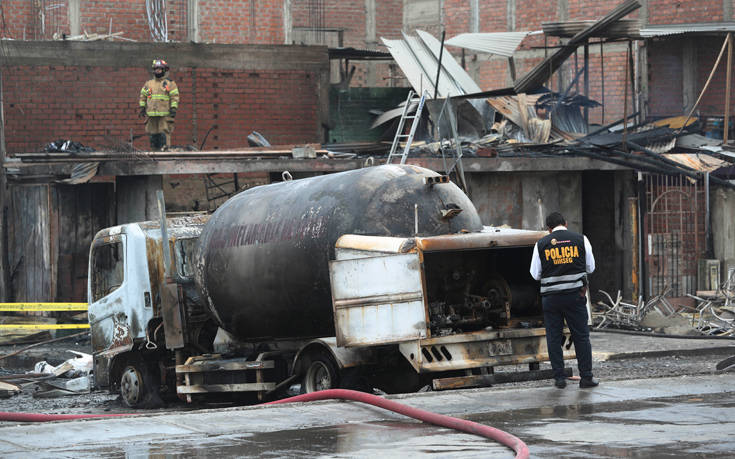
<point>378,300</point>
<point>107,292</point>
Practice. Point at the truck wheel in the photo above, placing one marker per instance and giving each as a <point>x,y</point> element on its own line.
<point>321,375</point>
<point>138,387</point>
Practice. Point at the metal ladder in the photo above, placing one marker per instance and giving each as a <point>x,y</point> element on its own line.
<point>401,124</point>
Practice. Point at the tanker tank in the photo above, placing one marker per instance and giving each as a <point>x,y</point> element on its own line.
<point>262,261</point>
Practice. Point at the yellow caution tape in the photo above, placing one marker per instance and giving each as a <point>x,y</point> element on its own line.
<point>44,306</point>
<point>42,326</point>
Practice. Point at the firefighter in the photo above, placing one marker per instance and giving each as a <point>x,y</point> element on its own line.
<point>159,100</point>
<point>561,261</point>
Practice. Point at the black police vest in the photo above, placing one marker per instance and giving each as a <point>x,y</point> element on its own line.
<point>563,267</point>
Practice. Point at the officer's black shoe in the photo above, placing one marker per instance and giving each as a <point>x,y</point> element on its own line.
<point>588,382</point>
<point>560,383</point>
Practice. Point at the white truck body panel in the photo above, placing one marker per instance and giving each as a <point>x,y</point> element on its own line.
<point>378,300</point>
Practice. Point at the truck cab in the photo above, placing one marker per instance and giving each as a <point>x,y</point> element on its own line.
<point>127,293</point>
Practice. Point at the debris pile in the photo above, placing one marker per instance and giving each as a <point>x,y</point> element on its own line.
<point>72,377</point>
<point>713,316</point>
<point>66,146</point>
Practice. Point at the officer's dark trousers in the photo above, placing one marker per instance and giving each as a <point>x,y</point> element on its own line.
<point>571,307</point>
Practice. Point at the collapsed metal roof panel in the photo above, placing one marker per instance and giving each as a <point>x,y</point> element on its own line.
<point>450,68</point>
<point>418,58</point>
<point>500,43</point>
<point>678,29</point>
<point>699,162</point>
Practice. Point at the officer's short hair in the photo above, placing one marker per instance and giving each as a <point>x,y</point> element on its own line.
<point>555,219</point>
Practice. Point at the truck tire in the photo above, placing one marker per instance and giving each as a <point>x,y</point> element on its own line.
<point>139,386</point>
<point>320,375</point>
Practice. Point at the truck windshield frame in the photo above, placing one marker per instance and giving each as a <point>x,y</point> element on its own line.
<point>108,266</point>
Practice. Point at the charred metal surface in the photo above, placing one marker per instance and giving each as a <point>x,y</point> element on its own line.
<point>376,243</point>
<point>378,300</point>
<point>469,241</point>
<point>173,325</point>
<point>478,349</point>
<point>474,289</point>
<point>154,257</point>
<point>121,318</point>
<point>497,378</point>
<point>262,260</point>
<point>345,357</point>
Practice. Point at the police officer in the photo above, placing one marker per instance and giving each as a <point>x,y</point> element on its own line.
<point>561,261</point>
<point>159,100</point>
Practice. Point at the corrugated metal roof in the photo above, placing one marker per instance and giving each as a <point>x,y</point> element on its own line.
<point>418,58</point>
<point>700,162</point>
<point>500,43</point>
<point>678,29</point>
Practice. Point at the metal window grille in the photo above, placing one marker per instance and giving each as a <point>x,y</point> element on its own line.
<point>674,236</point>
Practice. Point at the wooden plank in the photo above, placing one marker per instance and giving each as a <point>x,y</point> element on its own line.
<point>229,366</point>
<point>496,378</point>
<point>208,388</point>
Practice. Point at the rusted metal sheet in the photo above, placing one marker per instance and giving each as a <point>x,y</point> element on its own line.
<point>210,388</point>
<point>378,300</point>
<point>173,325</point>
<point>376,243</point>
<point>346,357</point>
<point>203,366</point>
<point>493,238</point>
<point>478,349</point>
<point>497,378</point>
<point>488,238</point>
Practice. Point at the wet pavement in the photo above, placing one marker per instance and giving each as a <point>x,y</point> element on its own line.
<point>665,417</point>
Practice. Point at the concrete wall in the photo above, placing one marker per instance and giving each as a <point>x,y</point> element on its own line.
<point>596,203</point>
<point>88,92</point>
<point>523,200</point>
<point>136,199</point>
<point>723,227</point>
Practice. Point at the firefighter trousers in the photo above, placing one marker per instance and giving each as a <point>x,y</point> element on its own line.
<point>159,129</point>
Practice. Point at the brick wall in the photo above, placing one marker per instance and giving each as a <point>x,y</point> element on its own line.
<point>97,106</point>
<point>241,21</point>
<point>684,11</point>
<point>713,101</point>
<point>666,72</point>
<point>595,9</point>
<point>665,78</point>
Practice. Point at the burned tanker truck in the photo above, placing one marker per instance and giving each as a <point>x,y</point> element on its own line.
<point>382,277</point>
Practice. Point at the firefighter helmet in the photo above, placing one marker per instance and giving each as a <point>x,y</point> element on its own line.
<point>159,63</point>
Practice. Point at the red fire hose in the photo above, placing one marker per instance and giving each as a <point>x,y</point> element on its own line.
<point>462,425</point>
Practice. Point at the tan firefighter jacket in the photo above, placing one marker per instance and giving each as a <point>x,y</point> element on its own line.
<point>158,96</point>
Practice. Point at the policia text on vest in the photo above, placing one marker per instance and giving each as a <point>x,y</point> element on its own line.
<point>562,262</point>
<point>562,255</point>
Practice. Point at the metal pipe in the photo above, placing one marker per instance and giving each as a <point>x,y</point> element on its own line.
<point>164,234</point>
<point>586,83</point>
<point>726,128</point>
<point>439,66</point>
